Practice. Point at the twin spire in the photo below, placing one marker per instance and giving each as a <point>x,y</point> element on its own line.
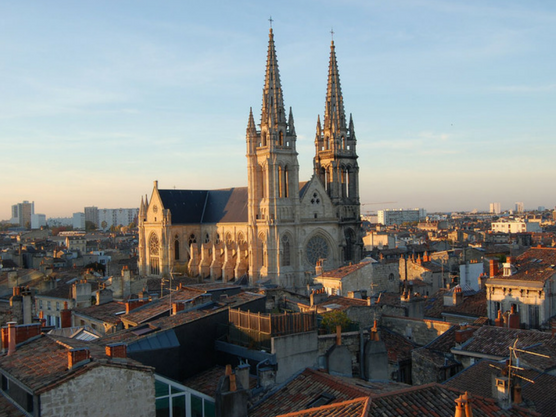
<point>273,112</point>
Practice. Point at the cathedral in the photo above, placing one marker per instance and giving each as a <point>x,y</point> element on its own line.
<point>277,229</point>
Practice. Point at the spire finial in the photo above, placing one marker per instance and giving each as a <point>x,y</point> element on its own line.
<point>270,20</point>
<point>332,34</point>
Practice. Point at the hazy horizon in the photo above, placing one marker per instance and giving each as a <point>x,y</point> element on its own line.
<point>452,102</point>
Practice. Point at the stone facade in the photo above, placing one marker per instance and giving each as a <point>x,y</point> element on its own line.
<point>121,392</point>
<point>419,331</point>
<point>277,228</point>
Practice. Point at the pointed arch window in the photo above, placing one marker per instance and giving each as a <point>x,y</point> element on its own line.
<point>286,253</point>
<point>281,138</point>
<point>176,248</point>
<point>286,182</point>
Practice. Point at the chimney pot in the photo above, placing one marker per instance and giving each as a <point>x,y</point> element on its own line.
<point>11,337</point>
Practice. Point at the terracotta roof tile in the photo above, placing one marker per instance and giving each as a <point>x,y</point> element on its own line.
<point>477,380</point>
<point>298,394</point>
<point>474,305</point>
<point>104,312</point>
<point>436,400</point>
<point>353,408</point>
<point>536,264</point>
<point>490,340</point>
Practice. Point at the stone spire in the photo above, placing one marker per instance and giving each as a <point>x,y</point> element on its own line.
<point>273,103</point>
<point>291,125</point>
<point>334,114</point>
<point>251,128</point>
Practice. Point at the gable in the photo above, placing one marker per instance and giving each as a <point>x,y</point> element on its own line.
<point>315,200</point>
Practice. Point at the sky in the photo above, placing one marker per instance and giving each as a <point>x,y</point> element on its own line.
<point>453,101</point>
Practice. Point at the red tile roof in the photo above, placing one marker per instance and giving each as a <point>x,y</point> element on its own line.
<point>42,363</point>
<point>344,270</point>
<point>104,312</point>
<point>7,409</point>
<point>305,388</point>
<point>474,305</point>
<point>353,408</point>
<point>536,264</point>
<point>477,380</point>
<point>494,341</point>
<point>435,400</point>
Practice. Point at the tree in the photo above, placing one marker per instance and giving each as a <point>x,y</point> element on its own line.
<point>336,318</point>
<point>104,225</point>
<point>90,226</point>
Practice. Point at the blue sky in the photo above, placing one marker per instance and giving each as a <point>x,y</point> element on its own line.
<point>453,101</point>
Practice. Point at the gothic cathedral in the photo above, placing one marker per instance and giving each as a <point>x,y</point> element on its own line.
<point>277,229</point>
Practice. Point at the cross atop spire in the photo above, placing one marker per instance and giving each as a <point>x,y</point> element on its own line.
<point>273,103</point>
<point>270,20</point>
<point>334,114</point>
<point>332,33</point>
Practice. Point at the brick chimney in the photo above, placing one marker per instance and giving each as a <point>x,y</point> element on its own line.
<point>11,337</point>
<point>493,267</point>
<point>116,350</point>
<point>65,316</point>
<point>463,335</point>
<point>133,304</point>
<point>513,319</point>
<point>177,306</point>
<point>458,296</point>
<point>339,335</point>
<point>77,356</point>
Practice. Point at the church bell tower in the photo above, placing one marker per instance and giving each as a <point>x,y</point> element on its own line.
<point>335,162</point>
<point>273,173</point>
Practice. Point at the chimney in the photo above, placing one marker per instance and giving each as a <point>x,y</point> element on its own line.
<point>11,337</point>
<point>458,296</point>
<point>231,399</point>
<point>517,399</point>
<point>116,350</point>
<point>493,268</point>
<point>513,319</point>
<point>65,316</point>
<point>499,321</point>
<point>463,335</point>
<point>77,356</point>
<point>339,335</point>
<point>375,336</point>
<point>177,306</point>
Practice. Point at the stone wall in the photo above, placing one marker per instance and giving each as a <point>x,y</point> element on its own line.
<point>102,391</point>
<point>294,352</point>
<point>419,331</point>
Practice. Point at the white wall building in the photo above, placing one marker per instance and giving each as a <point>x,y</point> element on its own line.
<point>78,221</point>
<point>399,216</point>
<point>495,208</point>
<point>515,226</point>
<point>116,217</point>
<point>38,221</point>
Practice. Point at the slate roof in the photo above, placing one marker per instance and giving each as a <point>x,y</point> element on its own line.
<point>354,408</point>
<point>42,363</point>
<point>165,323</point>
<point>435,400</point>
<point>298,393</point>
<point>494,341</point>
<point>477,380</point>
<point>474,305</point>
<point>158,307</point>
<point>206,206</point>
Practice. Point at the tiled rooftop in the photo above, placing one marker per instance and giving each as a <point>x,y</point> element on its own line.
<point>344,270</point>
<point>307,387</point>
<point>477,380</point>
<point>474,305</point>
<point>490,340</point>
<point>353,408</point>
<point>104,312</point>
<point>43,362</point>
<point>207,381</point>
<point>435,400</point>
<point>536,264</point>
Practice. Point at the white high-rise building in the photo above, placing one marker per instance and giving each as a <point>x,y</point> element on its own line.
<point>519,207</point>
<point>495,208</point>
<point>400,216</point>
